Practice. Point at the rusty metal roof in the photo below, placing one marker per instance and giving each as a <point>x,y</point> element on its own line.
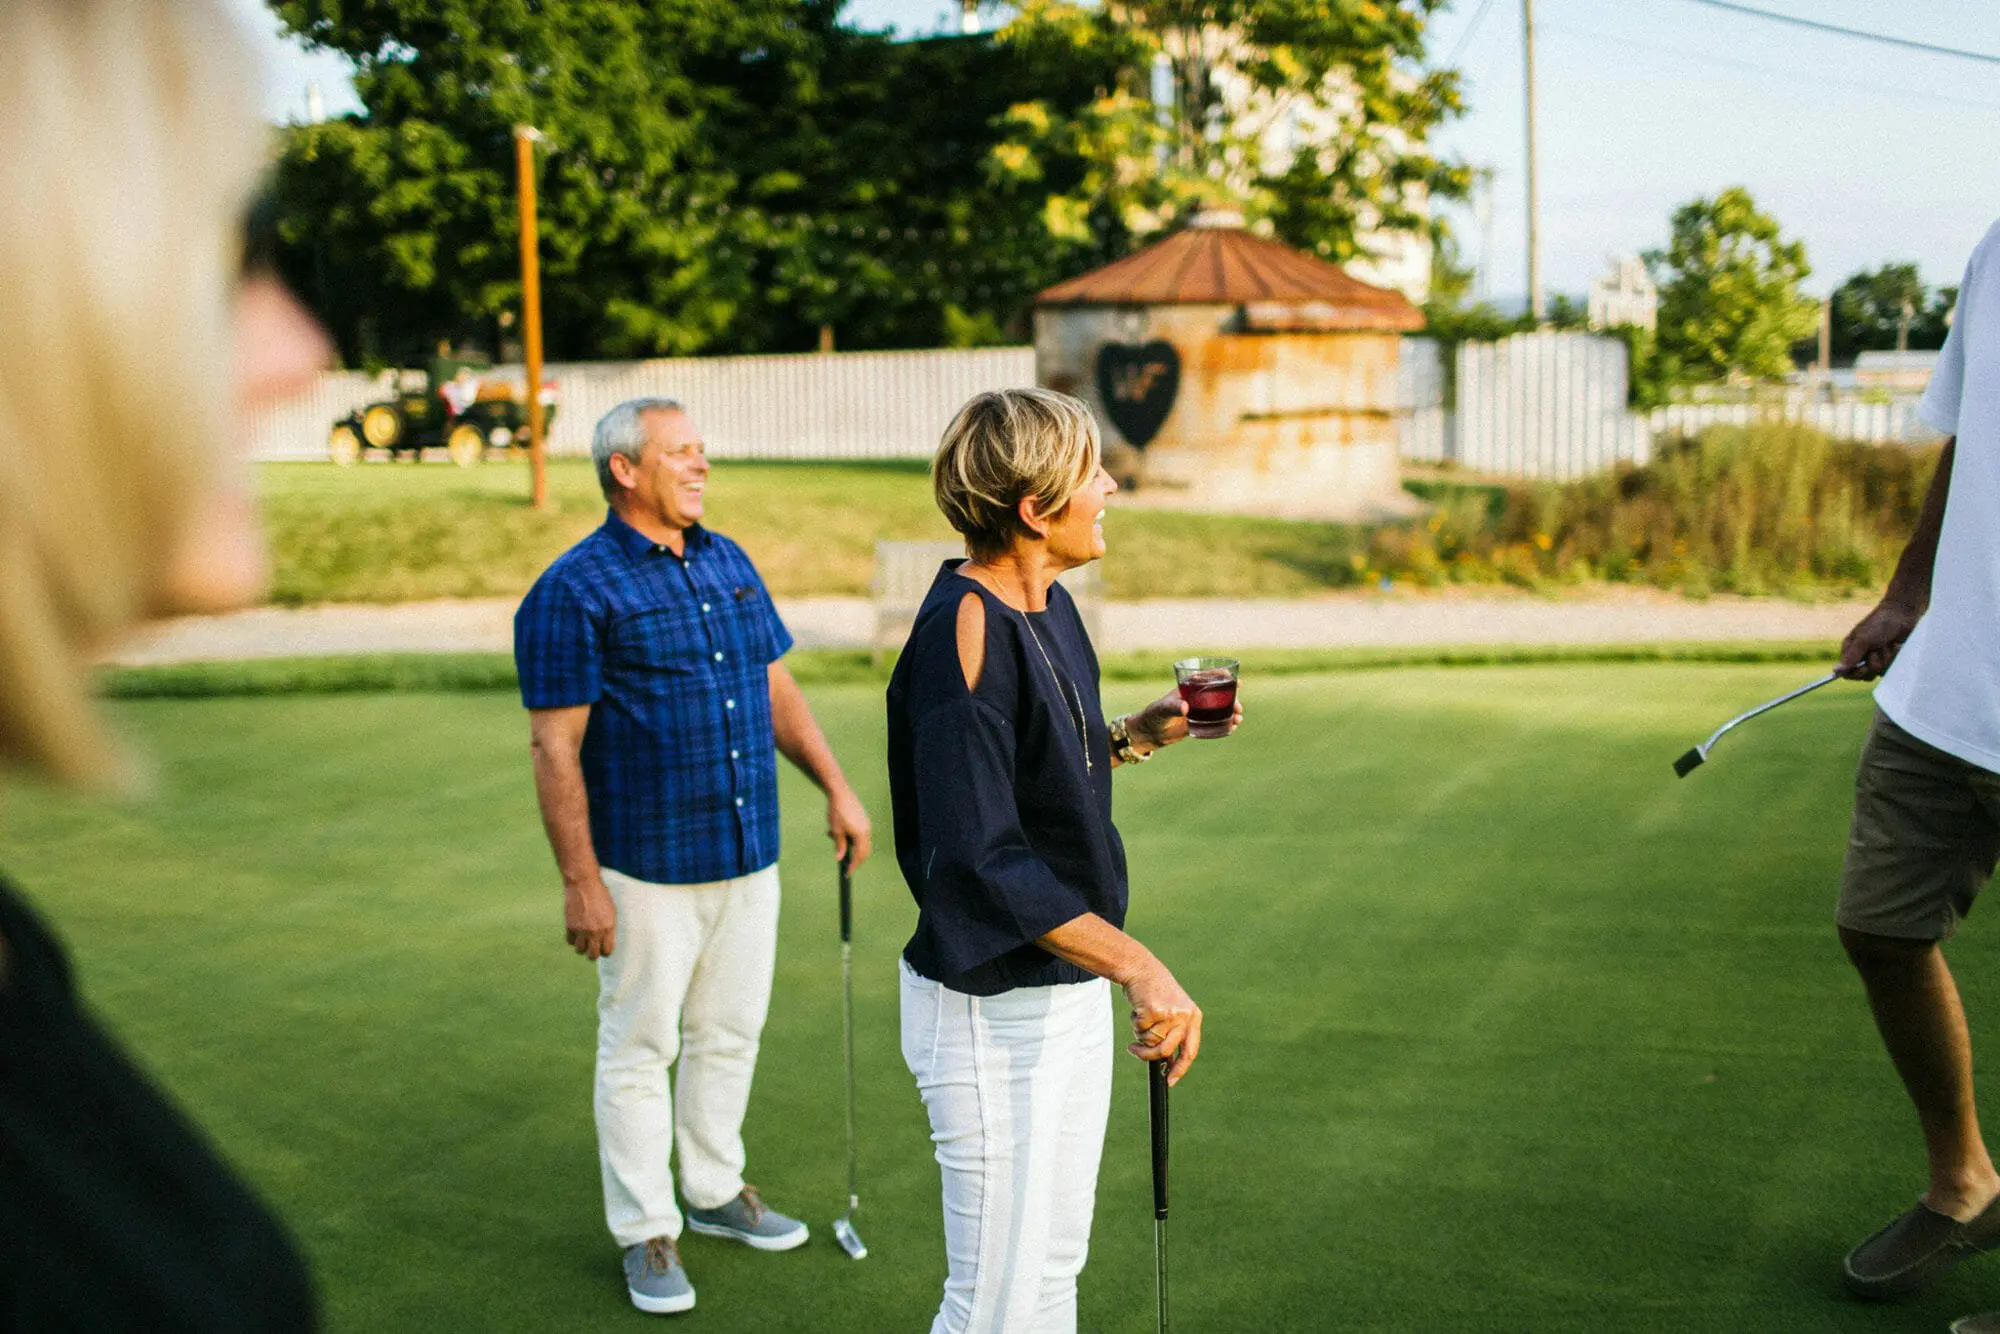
<point>1208,265</point>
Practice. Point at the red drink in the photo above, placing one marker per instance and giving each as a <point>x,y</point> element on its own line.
<point>1209,687</point>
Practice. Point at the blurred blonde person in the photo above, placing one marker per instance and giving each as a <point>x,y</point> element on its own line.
<point>129,149</point>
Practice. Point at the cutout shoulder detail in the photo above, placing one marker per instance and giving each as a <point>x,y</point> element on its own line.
<point>972,638</point>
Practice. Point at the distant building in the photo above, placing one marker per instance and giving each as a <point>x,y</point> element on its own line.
<point>1285,126</point>
<point>1624,294</point>
<point>1897,372</point>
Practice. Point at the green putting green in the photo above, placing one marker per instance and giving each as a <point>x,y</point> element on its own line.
<point>1508,1029</point>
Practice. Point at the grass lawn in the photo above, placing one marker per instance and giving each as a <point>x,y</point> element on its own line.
<point>399,532</point>
<point>1507,1028</point>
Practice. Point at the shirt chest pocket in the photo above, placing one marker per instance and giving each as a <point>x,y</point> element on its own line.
<point>660,641</point>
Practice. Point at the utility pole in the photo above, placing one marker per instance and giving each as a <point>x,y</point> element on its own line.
<point>1535,305</point>
<point>525,139</point>
<point>1826,345</point>
<point>1903,326</point>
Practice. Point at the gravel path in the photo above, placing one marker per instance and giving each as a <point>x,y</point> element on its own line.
<point>1373,620</point>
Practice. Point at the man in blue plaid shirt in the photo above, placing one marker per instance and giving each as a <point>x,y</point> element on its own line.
<point>650,663</point>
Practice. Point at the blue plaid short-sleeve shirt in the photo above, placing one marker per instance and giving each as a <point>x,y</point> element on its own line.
<point>672,654</point>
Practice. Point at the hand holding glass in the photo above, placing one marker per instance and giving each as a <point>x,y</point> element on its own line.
<point>1209,687</point>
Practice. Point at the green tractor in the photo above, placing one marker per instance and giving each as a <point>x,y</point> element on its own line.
<point>449,407</point>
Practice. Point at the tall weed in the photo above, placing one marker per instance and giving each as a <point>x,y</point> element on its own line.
<point>1769,508</point>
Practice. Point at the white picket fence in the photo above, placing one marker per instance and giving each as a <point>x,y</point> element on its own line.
<point>1552,405</point>
<point>1894,421</point>
<point>1545,405</point>
<point>851,405</point>
<point>1534,405</point>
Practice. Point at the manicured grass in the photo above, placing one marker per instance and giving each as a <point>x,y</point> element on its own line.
<point>395,533</point>
<point>450,672</point>
<point>399,532</point>
<point>1508,1028</point>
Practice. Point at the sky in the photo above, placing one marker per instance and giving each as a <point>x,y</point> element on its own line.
<point>1866,152</point>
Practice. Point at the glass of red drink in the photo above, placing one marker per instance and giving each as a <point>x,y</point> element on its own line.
<point>1209,687</point>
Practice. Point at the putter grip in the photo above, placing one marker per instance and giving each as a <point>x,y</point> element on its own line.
<point>846,904</point>
<point>1157,1099</point>
<point>1687,763</point>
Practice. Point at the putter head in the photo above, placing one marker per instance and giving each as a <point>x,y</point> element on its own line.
<point>1688,763</point>
<point>850,1240</point>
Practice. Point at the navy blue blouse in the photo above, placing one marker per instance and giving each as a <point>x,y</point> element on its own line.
<point>1003,830</point>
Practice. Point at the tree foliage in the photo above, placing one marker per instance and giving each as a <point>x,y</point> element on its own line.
<point>1313,114</point>
<point>732,175</point>
<point>1871,307</point>
<point>1730,306</point>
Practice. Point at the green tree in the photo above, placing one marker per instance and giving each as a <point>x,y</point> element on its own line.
<point>1730,306</point>
<point>719,177</point>
<point>1870,310</point>
<point>676,134</point>
<point>1313,114</point>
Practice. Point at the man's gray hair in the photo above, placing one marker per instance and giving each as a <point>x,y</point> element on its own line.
<point>623,431</point>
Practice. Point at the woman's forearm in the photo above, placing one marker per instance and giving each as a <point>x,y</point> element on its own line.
<point>1166,1023</point>
<point>1093,944</point>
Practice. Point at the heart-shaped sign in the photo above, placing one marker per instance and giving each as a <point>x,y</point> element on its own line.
<point>1138,382</point>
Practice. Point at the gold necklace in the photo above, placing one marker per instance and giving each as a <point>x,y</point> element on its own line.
<point>1082,727</point>
<point>1075,696</point>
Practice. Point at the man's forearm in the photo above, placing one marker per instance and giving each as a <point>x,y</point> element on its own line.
<point>798,736</point>
<point>565,805</point>
<point>1910,586</point>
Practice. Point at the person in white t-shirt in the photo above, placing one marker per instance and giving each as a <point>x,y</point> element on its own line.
<point>1926,828</point>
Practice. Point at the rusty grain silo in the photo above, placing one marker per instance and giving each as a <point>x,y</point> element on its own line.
<point>1232,372</point>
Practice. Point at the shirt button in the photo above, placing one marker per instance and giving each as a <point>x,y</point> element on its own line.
<point>739,801</point>
<point>728,703</point>
<point>718,657</point>
<point>735,754</point>
<point>704,606</point>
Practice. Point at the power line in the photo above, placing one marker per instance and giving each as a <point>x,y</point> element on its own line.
<point>1465,38</point>
<point>1881,37</point>
<point>1816,80</point>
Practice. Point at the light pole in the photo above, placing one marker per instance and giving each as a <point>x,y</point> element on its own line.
<point>1535,305</point>
<point>525,139</point>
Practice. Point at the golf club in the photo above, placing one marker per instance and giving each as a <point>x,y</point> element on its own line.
<point>1693,760</point>
<point>843,1226</point>
<point>1157,1089</point>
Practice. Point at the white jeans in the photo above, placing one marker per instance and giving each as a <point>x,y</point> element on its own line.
<point>689,976</point>
<point>1018,1087</point>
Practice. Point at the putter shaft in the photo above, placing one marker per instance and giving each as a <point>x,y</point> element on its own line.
<point>1687,763</point>
<point>843,1227</point>
<point>1156,1090</point>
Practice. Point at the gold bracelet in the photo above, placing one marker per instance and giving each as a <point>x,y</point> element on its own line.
<point>1121,742</point>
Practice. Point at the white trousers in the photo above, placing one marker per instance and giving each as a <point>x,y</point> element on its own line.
<point>1018,1087</point>
<point>689,977</point>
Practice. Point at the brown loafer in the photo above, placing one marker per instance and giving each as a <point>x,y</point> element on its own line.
<point>1916,1248</point>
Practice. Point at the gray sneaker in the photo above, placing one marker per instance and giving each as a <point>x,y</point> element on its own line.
<point>747,1219</point>
<point>654,1277</point>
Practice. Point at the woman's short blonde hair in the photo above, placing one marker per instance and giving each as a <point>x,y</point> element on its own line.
<point>128,149</point>
<point>1004,447</point>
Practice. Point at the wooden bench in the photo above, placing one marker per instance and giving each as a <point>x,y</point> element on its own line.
<point>904,572</point>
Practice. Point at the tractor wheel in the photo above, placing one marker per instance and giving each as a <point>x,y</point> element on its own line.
<point>343,446</point>
<point>382,426</point>
<point>465,444</point>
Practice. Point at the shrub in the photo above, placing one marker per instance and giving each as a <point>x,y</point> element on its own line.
<point>1769,508</point>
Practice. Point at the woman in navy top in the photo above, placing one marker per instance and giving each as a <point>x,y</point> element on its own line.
<point>1000,766</point>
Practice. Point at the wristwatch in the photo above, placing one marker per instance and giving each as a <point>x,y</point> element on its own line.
<point>1121,742</point>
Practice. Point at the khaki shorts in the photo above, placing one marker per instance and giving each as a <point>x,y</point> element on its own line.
<point>1925,836</point>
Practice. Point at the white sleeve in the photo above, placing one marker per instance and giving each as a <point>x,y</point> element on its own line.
<point>1938,409</point>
